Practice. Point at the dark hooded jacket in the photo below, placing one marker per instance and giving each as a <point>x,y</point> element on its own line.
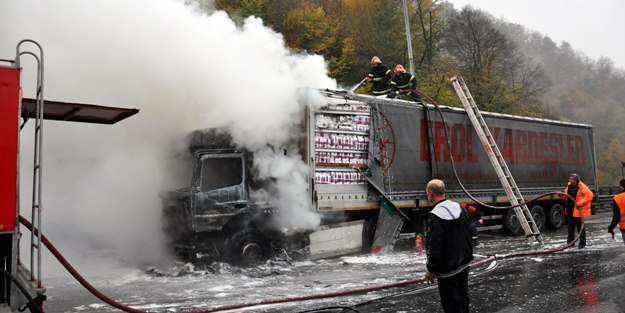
<point>449,248</point>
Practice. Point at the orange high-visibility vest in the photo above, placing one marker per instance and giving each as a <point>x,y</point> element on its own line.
<point>583,198</point>
<point>620,202</point>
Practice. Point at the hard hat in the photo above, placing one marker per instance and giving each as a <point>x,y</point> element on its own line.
<point>575,177</point>
<point>399,69</point>
<point>375,60</point>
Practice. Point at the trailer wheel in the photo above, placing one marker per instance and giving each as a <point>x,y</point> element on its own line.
<point>247,247</point>
<point>538,214</point>
<point>368,232</point>
<point>512,224</point>
<point>555,217</point>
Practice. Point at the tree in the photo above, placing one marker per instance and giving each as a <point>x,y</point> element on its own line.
<point>341,66</point>
<point>244,8</point>
<point>376,28</point>
<point>611,168</point>
<point>310,29</point>
<point>431,30</point>
<point>501,77</point>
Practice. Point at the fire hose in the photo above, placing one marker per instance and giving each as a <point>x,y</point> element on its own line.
<point>33,304</point>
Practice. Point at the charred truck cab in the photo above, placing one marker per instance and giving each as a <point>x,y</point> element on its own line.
<point>215,217</point>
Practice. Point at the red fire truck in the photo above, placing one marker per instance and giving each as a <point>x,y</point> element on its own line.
<point>21,285</point>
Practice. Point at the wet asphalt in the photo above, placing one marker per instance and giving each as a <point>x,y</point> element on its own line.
<point>574,280</point>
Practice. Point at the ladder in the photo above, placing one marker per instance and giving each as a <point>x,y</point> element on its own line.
<point>501,168</point>
<point>36,210</point>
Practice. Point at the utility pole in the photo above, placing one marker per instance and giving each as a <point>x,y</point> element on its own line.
<point>408,37</point>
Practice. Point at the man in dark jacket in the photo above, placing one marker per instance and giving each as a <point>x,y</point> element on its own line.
<point>618,210</point>
<point>380,75</point>
<point>449,249</point>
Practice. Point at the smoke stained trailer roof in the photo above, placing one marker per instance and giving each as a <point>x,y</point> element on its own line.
<point>77,112</point>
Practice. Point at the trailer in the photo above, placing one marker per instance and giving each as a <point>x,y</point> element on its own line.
<point>359,149</point>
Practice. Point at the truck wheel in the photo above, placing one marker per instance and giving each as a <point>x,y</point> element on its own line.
<point>538,214</point>
<point>368,232</point>
<point>512,224</point>
<point>555,217</point>
<point>247,247</point>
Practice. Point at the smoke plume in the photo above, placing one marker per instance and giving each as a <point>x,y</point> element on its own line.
<point>184,70</point>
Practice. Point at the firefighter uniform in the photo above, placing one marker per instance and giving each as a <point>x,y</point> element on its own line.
<point>405,82</point>
<point>380,75</point>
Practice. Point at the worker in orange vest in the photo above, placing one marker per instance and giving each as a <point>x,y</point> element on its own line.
<point>618,208</point>
<point>575,210</point>
<point>380,75</point>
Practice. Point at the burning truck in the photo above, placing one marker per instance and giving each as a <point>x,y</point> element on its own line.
<point>358,150</point>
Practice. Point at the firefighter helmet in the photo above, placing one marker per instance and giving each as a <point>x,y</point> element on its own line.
<point>375,60</point>
<point>399,68</point>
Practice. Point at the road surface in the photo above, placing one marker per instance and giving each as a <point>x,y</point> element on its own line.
<point>574,280</point>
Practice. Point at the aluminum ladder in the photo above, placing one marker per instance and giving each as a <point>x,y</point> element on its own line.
<point>501,168</point>
<point>37,208</point>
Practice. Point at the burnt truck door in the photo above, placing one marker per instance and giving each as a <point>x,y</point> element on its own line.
<point>219,191</point>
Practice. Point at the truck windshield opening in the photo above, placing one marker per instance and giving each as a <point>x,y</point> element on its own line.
<point>220,173</point>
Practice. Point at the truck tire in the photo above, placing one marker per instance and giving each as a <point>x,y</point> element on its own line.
<point>538,214</point>
<point>555,216</point>
<point>247,247</point>
<point>511,223</point>
<point>368,232</point>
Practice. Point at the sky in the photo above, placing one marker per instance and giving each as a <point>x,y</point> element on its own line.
<point>594,27</point>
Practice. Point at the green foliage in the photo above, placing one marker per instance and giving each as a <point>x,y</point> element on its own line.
<point>611,168</point>
<point>341,65</point>
<point>308,28</point>
<point>244,8</point>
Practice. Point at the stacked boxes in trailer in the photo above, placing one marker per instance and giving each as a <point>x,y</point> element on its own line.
<point>400,145</point>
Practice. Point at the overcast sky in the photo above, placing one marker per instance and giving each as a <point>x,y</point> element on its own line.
<point>594,27</point>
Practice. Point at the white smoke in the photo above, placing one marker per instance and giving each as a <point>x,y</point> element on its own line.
<point>184,70</point>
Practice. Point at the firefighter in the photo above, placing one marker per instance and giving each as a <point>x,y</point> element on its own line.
<point>380,75</point>
<point>405,82</point>
<point>475,221</point>
<point>618,209</point>
<point>577,190</point>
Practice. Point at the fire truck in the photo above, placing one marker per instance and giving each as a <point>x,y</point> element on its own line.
<point>360,150</point>
<point>21,286</point>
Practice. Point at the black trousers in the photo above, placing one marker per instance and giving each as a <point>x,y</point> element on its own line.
<point>454,292</point>
<point>413,96</point>
<point>575,223</point>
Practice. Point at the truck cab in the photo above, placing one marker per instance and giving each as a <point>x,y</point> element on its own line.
<point>215,217</point>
